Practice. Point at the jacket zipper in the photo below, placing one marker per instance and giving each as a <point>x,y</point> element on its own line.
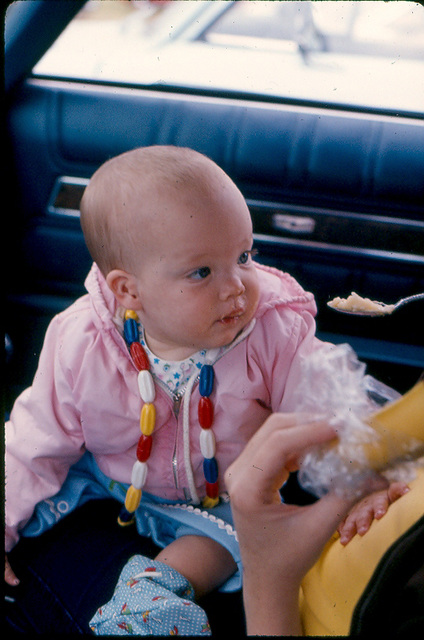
<point>177,399</point>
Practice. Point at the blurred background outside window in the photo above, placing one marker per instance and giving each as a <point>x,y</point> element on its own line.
<point>361,54</point>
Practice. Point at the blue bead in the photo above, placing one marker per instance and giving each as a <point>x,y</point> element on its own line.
<point>130,330</point>
<point>206,380</point>
<point>125,517</point>
<point>210,469</point>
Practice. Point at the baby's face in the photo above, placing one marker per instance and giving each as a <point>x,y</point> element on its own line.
<point>198,284</point>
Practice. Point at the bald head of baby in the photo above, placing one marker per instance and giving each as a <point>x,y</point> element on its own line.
<point>130,200</point>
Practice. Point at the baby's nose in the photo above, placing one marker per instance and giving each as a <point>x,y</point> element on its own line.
<point>233,287</point>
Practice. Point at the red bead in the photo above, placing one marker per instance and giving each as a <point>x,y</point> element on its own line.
<point>205,412</point>
<point>212,490</point>
<point>144,448</point>
<point>139,356</point>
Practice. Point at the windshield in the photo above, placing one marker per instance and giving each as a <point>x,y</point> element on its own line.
<point>361,54</point>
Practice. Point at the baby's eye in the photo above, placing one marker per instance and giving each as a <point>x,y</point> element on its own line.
<point>200,274</point>
<point>245,257</point>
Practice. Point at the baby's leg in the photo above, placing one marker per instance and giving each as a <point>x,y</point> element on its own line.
<point>202,561</point>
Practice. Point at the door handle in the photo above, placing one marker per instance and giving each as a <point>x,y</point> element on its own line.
<point>297,225</point>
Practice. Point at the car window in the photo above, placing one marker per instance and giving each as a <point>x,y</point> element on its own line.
<point>361,54</point>
<point>391,30</point>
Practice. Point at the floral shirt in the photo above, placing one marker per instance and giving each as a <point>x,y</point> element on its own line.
<point>174,373</point>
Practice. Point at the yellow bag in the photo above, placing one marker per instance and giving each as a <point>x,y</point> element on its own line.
<point>332,588</point>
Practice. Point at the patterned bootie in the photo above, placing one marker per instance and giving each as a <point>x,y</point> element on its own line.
<point>151,599</point>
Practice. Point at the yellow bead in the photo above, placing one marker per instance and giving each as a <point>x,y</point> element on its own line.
<point>209,503</point>
<point>147,419</point>
<point>125,524</point>
<point>130,314</point>
<point>132,499</point>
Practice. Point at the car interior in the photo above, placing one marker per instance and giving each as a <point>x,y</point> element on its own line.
<point>336,193</point>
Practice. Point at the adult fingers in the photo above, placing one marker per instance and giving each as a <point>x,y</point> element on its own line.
<point>274,450</point>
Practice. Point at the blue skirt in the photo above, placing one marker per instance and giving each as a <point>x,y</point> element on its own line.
<point>161,520</point>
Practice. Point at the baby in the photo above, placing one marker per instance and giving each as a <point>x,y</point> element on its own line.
<point>182,336</point>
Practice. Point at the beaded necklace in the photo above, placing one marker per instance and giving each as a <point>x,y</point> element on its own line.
<point>146,386</point>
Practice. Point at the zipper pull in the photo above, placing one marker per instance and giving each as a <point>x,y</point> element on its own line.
<point>177,403</point>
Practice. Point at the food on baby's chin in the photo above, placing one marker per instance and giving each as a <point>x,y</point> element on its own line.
<point>357,304</point>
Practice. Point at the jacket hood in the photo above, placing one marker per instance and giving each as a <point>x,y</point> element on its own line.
<point>102,299</point>
<point>280,289</point>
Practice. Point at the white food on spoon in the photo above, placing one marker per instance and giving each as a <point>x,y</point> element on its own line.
<point>356,304</point>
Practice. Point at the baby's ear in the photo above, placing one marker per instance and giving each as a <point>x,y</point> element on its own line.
<point>124,287</point>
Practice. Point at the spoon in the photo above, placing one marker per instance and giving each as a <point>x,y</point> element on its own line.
<point>366,307</point>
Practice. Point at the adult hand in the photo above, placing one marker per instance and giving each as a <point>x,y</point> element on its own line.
<point>279,543</point>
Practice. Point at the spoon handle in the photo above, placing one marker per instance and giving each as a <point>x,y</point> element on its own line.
<point>417,296</point>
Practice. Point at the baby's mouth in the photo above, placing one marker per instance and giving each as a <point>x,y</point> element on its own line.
<point>232,317</point>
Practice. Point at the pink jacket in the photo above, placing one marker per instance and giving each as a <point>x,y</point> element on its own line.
<point>85,397</point>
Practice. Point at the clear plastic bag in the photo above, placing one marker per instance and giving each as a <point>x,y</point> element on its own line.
<point>334,385</point>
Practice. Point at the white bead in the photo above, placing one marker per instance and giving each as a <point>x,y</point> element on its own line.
<point>207,443</point>
<point>139,474</point>
<point>146,386</point>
